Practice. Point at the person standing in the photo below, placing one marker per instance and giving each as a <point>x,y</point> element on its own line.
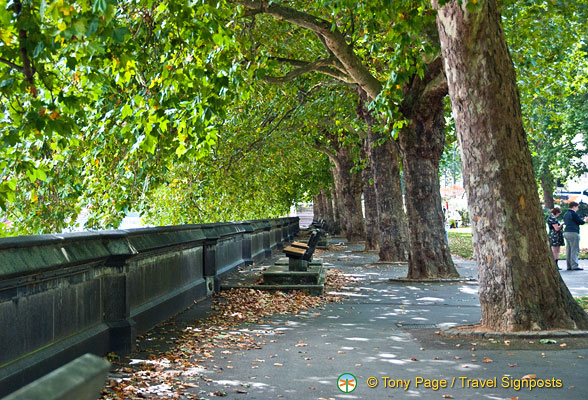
<point>572,235</point>
<point>556,239</point>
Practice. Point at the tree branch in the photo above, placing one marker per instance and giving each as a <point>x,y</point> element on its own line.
<point>333,40</point>
<point>309,67</point>
<point>321,66</point>
<point>11,64</point>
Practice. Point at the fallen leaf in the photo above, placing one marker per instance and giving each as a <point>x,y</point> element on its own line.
<point>563,345</point>
<point>530,376</point>
<point>513,365</point>
<point>447,396</point>
<point>278,365</point>
<point>487,360</point>
<point>413,359</point>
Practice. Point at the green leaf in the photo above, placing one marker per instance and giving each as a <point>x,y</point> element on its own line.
<point>100,5</point>
<point>6,82</point>
<point>126,111</point>
<point>38,49</point>
<point>119,34</point>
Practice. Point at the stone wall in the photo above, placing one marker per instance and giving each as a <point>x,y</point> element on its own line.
<point>65,295</point>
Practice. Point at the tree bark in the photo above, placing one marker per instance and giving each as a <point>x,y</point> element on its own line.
<point>372,235</point>
<point>336,212</point>
<point>316,207</point>
<point>348,186</point>
<point>384,160</point>
<point>520,288</point>
<point>391,216</point>
<point>328,208</point>
<point>548,185</point>
<point>422,142</point>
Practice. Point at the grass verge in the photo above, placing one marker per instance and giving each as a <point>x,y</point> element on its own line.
<point>460,243</point>
<point>583,302</point>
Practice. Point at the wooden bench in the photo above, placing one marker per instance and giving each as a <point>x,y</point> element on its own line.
<point>301,254</point>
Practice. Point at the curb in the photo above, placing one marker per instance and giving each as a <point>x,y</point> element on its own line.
<point>514,335</point>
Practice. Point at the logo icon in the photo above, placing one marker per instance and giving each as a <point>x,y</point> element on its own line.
<point>346,383</point>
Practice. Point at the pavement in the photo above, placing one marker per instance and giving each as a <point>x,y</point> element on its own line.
<point>386,334</point>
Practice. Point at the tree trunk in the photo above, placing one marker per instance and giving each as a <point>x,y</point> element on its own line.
<point>422,143</point>
<point>548,186</point>
<point>391,216</point>
<point>349,188</point>
<point>336,212</point>
<point>384,160</point>
<point>520,288</point>
<point>316,207</point>
<point>372,236</point>
<point>329,217</point>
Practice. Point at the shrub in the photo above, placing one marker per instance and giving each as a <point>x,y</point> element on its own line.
<point>465,217</point>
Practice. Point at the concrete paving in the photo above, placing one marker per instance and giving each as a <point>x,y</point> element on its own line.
<point>386,335</point>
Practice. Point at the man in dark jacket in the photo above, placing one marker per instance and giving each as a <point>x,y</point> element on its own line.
<point>572,236</point>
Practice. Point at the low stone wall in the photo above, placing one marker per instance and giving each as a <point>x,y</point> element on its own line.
<point>65,295</point>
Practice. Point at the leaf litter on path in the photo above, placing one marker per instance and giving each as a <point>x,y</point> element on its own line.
<point>173,374</point>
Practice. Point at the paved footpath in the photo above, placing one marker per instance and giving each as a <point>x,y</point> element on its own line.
<point>389,331</point>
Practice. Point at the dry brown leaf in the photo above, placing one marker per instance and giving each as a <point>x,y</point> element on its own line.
<point>487,360</point>
<point>529,376</point>
<point>278,365</point>
<point>447,396</point>
<point>414,359</point>
<point>513,365</point>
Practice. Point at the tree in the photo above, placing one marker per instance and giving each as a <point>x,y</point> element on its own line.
<point>343,62</point>
<point>546,40</point>
<point>120,89</point>
<point>520,288</point>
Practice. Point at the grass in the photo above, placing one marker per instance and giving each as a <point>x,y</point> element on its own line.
<point>460,243</point>
<point>583,302</point>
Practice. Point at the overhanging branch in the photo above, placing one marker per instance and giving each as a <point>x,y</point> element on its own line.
<point>333,40</point>
<point>11,64</point>
<point>321,66</point>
